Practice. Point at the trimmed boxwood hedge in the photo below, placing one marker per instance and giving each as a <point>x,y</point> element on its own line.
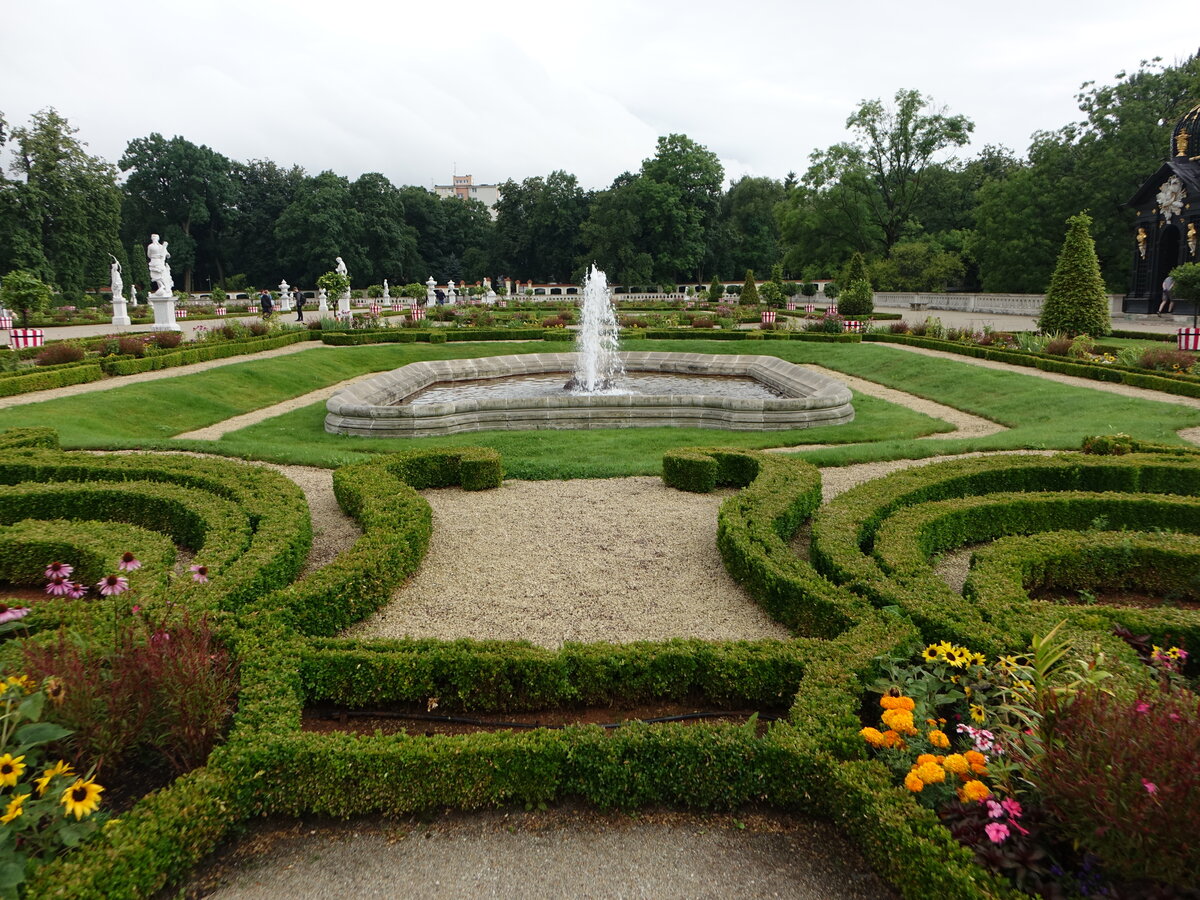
<point>40,380</point>
<point>202,353</point>
<point>1183,385</point>
<point>814,762</point>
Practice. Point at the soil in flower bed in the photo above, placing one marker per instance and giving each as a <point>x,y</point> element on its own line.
<point>1112,598</point>
<point>414,720</point>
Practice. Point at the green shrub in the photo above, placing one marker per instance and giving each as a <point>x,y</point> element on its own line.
<point>857,301</point>
<point>1076,301</point>
<point>749,292</point>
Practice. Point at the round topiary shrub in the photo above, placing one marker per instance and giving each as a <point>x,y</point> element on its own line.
<point>858,300</point>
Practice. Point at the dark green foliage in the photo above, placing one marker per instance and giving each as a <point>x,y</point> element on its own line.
<point>29,439</point>
<point>716,291</point>
<point>1076,301</point>
<point>1187,281</point>
<point>857,301</point>
<point>25,293</point>
<point>749,295</point>
<point>35,380</point>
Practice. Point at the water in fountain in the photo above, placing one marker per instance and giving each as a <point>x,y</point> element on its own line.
<point>598,365</point>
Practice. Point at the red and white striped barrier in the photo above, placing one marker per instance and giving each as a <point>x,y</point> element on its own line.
<point>376,309</point>
<point>27,337</point>
<point>768,317</point>
<point>181,313</point>
<point>503,304</point>
<point>810,307</point>
<point>416,312</point>
<point>791,305</point>
<point>220,310</point>
<point>1189,338</point>
<point>5,323</point>
<point>831,310</point>
<point>852,325</point>
<point>397,306</point>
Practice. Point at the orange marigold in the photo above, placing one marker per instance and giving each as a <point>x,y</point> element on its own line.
<point>977,761</point>
<point>905,703</point>
<point>892,739</point>
<point>930,773</point>
<point>887,701</point>
<point>973,790</point>
<point>900,720</point>
<point>925,759</point>
<point>913,783</point>
<point>957,763</point>
<point>873,737</point>
<point>939,739</point>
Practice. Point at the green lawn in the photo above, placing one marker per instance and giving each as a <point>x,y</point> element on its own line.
<point>1040,414</point>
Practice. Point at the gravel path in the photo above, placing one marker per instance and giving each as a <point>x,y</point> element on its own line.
<point>620,559</point>
<point>552,855</point>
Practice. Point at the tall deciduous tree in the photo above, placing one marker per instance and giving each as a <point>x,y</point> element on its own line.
<point>182,191</point>
<point>321,224</point>
<point>886,162</point>
<point>262,190</point>
<point>538,226</point>
<point>62,212</point>
<point>389,242</point>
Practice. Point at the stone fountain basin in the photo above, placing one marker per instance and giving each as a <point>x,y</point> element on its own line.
<point>369,408</point>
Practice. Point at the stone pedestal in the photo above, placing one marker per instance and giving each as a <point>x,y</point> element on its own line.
<point>164,314</point>
<point>344,304</point>
<point>322,302</point>
<point>120,316</point>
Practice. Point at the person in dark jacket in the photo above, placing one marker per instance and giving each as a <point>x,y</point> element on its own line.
<point>266,304</point>
<point>298,299</point>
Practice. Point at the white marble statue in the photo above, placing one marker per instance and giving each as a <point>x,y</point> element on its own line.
<point>341,266</point>
<point>451,294</point>
<point>118,285</point>
<point>387,294</point>
<point>430,292</point>
<point>285,296</point>
<point>160,271</point>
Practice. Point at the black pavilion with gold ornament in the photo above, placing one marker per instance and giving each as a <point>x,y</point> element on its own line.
<point>1166,232</point>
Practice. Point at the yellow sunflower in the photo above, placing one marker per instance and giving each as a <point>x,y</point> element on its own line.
<point>931,653</point>
<point>82,798</point>
<point>11,769</point>
<point>13,810</point>
<point>977,712</point>
<point>59,768</point>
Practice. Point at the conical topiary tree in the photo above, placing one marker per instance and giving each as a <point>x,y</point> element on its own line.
<point>749,289</point>
<point>857,300</point>
<point>716,290</point>
<point>1076,301</point>
<point>856,270</point>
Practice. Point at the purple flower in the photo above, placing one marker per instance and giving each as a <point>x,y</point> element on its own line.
<point>77,591</point>
<point>110,585</point>
<point>57,568</point>
<point>12,613</point>
<point>128,563</point>
<point>58,586</point>
<point>199,574</point>
<point>996,832</point>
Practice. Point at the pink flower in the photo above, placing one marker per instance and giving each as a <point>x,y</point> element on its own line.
<point>1150,786</point>
<point>995,810</point>
<point>199,574</point>
<point>1142,707</point>
<point>110,585</point>
<point>1012,807</point>
<point>57,568</point>
<point>136,609</point>
<point>996,832</point>
<point>78,591</point>
<point>12,613</point>
<point>58,586</point>
<point>128,563</point>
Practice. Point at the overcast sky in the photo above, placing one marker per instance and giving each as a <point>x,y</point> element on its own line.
<point>519,88</point>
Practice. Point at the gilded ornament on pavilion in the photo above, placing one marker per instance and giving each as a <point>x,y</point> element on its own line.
<point>1170,197</point>
<point>1181,142</point>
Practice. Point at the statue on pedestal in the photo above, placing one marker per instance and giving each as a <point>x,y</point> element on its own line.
<point>341,266</point>
<point>118,286</point>
<point>160,271</point>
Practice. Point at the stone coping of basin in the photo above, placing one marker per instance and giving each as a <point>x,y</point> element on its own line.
<point>370,407</point>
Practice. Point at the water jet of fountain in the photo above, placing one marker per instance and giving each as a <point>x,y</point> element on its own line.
<point>598,364</point>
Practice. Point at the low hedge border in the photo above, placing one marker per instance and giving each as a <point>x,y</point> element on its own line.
<point>411,336</point>
<point>36,438</point>
<point>28,382</point>
<point>1166,564</point>
<point>382,496</point>
<point>685,334</point>
<point>202,353</point>
<point>814,762</point>
<point>1184,386</point>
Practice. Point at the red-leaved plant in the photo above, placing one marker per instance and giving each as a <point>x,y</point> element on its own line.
<point>1121,780</point>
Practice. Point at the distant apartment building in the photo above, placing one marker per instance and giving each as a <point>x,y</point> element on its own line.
<point>464,188</point>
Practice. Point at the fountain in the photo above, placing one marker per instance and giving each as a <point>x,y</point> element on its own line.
<point>607,388</point>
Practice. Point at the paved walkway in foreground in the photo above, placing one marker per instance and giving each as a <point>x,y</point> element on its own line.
<point>549,855</point>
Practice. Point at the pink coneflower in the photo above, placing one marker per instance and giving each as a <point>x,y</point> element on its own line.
<point>111,585</point>
<point>58,586</point>
<point>996,832</point>
<point>129,562</point>
<point>58,569</point>
<point>199,574</point>
<point>12,613</point>
<point>1150,786</point>
<point>78,591</point>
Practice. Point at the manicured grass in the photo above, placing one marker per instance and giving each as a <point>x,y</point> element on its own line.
<point>1040,414</point>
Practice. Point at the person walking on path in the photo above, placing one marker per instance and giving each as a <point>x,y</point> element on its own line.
<point>265,304</point>
<point>298,299</point>
<point>1168,302</point>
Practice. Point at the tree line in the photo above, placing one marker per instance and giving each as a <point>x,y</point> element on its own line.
<point>894,191</point>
